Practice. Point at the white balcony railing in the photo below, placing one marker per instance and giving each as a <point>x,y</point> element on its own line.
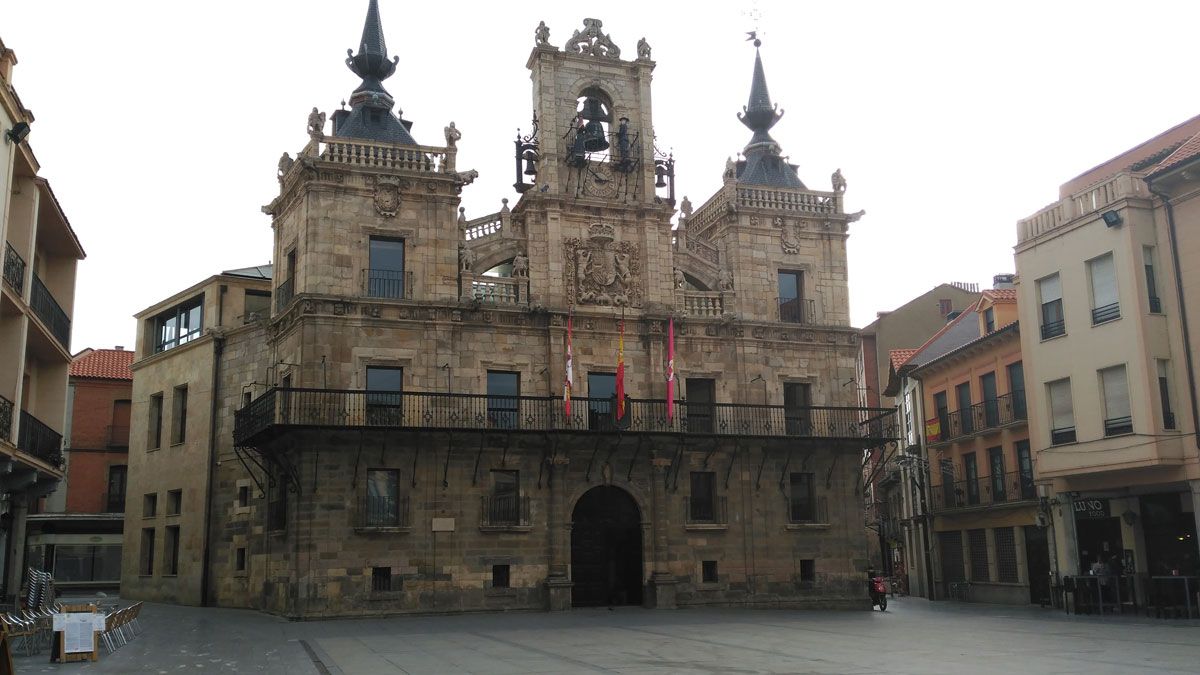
<point>703,303</point>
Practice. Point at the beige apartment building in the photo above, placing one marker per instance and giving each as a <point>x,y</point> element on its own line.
<point>428,419</point>
<point>37,299</point>
<point>1109,362</point>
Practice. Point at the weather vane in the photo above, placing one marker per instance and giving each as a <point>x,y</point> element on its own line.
<point>755,17</point>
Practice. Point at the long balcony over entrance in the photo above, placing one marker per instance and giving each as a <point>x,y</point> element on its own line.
<point>283,408</point>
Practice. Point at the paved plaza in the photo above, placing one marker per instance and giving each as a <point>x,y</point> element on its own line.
<point>913,636</point>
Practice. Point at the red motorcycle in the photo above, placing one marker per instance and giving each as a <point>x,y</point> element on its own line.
<point>877,587</point>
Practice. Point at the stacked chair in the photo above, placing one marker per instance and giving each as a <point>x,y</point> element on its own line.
<point>121,626</point>
<point>31,627</point>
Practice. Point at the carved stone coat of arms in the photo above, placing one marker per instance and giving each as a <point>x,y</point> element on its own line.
<point>387,197</point>
<point>601,272</point>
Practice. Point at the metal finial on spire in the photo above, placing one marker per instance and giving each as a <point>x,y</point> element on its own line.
<point>371,62</point>
<point>763,164</point>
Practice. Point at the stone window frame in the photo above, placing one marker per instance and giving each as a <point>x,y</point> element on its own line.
<point>404,526</point>
<point>722,582</point>
<point>510,591</point>
<point>362,362</point>
<point>238,509</point>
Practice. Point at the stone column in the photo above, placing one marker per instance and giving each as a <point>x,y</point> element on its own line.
<point>15,558</point>
<point>661,589</point>
<point>558,582</point>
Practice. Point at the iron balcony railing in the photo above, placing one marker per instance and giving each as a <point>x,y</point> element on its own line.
<point>6,419</point>
<point>113,502</point>
<point>334,408</point>
<point>705,511</point>
<point>51,314</point>
<point>1155,304</point>
<point>811,510</point>
<point>37,439</point>
<point>507,510</point>
<point>985,491</point>
<point>283,294</point>
<point>1053,329</point>
<point>395,284</point>
<point>798,310</point>
<point>1118,426</point>
<point>1106,313</point>
<point>982,417</point>
<point>14,269</point>
<point>380,511</point>
<point>1063,435</point>
<point>118,435</point>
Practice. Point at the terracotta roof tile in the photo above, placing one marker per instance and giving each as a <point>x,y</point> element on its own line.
<point>1001,294</point>
<point>1185,152</point>
<point>899,356</point>
<point>109,364</point>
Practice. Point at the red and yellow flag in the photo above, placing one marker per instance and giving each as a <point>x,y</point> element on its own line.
<point>621,372</point>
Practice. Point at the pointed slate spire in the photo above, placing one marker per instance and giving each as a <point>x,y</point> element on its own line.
<point>371,62</point>
<point>370,115</point>
<point>763,164</point>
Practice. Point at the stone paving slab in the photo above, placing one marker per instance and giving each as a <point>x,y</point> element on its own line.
<point>913,636</point>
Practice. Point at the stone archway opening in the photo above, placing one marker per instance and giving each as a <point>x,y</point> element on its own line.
<point>606,549</point>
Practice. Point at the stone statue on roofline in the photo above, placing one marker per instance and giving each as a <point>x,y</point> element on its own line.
<point>685,207</point>
<point>643,50</point>
<point>520,268</point>
<point>466,258</point>
<point>316,123</point>
<point>541,35</point>
<point>839,182</point>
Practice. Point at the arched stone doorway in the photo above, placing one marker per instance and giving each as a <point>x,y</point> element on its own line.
<point>606,549</point>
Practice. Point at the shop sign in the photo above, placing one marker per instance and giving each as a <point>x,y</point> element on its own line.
<point>1091,507</point>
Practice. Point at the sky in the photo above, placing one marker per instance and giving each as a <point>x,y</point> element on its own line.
<point>159,124</point>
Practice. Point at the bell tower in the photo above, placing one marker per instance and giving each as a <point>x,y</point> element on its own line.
<point>590,159</point>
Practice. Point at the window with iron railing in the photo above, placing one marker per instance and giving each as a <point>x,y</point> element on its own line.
<point>14,269</point>
<point>1117,412</point>
<point>385,275</point>
<point>703,497</point>
<point>1105,304</point>
<point>802,498</point>
<point>1050,292</point>
<point>383,506</point>
<point>791,297</point>
<point>503,506</point>
<point>1062,414</point>
<point>1151,283</point>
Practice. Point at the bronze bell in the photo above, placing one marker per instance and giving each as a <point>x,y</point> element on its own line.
<point>594,137</point>
<point>660,175</point>
<point>530,157</point>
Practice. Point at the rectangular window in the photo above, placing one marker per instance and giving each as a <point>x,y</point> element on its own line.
<point>179,325</point>
<point>118,431</point>
<point>950,497</point>
<point>156,414</point>
<point>277,504</point>
<point>115,499</point>
<point>171,551</point>
<point>708,571</point>
<point>701,395</point>
<point>243,498</point>
<point>385,277</point>
<point>150,505</point>
<point>977,541</point>
<point>383,498</point>
<point>962,393</point>
<point>602,393</point>
<point>146,563</point>
<point>503,403</point>
<point>971,478</point>
<point>1117,415</point>
<point>1006,555</point>
<point>942,408</point>
<point>239,559</point>
<point>702,507</point>
<point>287,285</point>
<point>385,396</point>
<point>1105,306</point>
<point>1025,470</point>
<point>179,414</point>
<point>991,403</point>
<point>950,544</point>
<point>500,576</point>
<point>1164,393</point>
<point>1016,385</point>
<point>808,571</point>
<point>945,306</point>
<point>802,499</point>
<point>504,504</point>
<point>1062,413</point>
<point>258,306</point>
<point>791,297</point>
<point>1050,293</point>
<point>381,579</point>
<point>174,502</point>
<point>797,408</point>
<point>1151,284</point>
<point>989,320</point>
<point>996,463</point>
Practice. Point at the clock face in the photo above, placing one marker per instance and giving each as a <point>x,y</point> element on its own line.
<point>599,180</point>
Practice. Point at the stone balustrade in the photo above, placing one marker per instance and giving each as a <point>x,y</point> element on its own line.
<point>703,249</point>
<point>704,303</point>
<point>1090,200</point>
<point>497,290</point>
<point>486,226</point>
<point>792,201</point>
<point>421,159</point>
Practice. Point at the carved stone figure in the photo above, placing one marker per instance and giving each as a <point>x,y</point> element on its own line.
<point>541,35</point>
<point>788,239</point>
<point>452,136</point>
<point>730,168</point>
<point>387,197</point>
<point>853,217</point>
<point>466,258</point>
<point>520,268</point>
<point>592,41</point>
<point>466,177</point>
<point>685,207</point>
<point>462,216</point>
<point>839,182</point>
<point>724,280</point>
<point>316,123</point>
<point>285,164</point>
<point>601,273</point>
<point>643,49</point>
<point>679,279</point>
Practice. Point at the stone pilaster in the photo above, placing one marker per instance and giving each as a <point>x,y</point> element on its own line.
<point>661,589</point>
<point>558,583</point>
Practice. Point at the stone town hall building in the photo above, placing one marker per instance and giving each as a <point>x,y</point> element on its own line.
<point>386,431</point>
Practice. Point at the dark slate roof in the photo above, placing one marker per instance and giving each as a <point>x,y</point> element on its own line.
<point>256,272</point>
<point>763,164</point>
<point>953,335</point>
<point>370,116</point>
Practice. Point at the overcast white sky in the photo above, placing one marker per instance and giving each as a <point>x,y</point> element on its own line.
<point>159,124</point>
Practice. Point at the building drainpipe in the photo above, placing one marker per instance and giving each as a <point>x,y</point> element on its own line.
<point>1187,340</point>
<point>218,349</point>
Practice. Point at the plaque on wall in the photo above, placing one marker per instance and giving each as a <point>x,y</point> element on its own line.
<point>1091,508</point>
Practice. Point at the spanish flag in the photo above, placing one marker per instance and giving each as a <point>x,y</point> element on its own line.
<point>621,372</point>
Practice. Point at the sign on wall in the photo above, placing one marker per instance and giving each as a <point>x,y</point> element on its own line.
<point>1091,507</point>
